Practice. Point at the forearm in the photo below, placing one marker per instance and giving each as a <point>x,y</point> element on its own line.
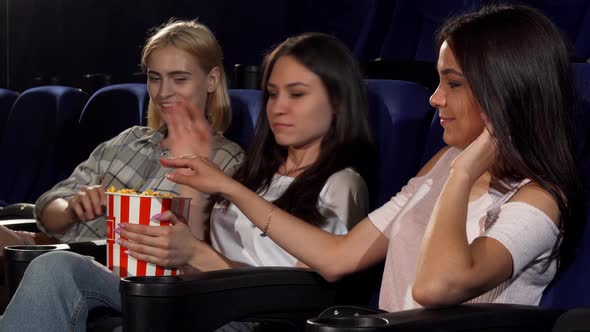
<point>445,256</point>
<point>206,258</point>
<point>56,217</point>
<point>312,246</point>
<point>195,220</point>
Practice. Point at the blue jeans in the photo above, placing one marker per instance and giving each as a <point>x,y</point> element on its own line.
<point>57,292</point>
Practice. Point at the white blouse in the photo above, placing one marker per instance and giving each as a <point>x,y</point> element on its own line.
<point>343,201</point>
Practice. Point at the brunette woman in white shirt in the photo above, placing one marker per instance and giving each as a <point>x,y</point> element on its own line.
<point>311,145</point>
<point>485,217</point>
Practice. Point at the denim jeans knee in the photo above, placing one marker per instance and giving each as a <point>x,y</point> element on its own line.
<point>60,288</point>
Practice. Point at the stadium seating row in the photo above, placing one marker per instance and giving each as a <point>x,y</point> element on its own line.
<point>396,30</point>
<point>148,302</point>
<point>63,126</point>
<point>145,300</point>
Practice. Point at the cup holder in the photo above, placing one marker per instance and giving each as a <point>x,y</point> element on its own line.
<point>18,257</point>
<point>155,280</point>
<point>33,248</point>
<point>318,324</point>
<point>22,253</point>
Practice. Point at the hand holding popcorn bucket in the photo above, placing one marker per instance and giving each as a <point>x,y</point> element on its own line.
<point>138,209</point>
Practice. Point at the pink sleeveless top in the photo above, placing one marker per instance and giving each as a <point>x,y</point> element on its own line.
<point>529,235</point>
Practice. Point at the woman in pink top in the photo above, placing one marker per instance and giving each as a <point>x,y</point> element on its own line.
<point>484,219</point>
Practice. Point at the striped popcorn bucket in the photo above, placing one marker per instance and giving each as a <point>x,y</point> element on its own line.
<point>137,209</point>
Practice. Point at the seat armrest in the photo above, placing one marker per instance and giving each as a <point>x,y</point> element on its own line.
<point>29,225</point>
<point>18,257</point>
<point>17,211</point>
<point>208,300</point>
<point>467,317</point>
<point>574,320</point>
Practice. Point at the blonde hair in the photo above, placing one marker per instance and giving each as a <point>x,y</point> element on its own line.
<point>197,40</point>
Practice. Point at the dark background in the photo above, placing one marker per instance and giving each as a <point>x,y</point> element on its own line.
<point>59,41</point>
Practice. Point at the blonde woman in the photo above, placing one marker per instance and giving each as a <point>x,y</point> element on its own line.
<point>188,92</point>
<point>310,152</point>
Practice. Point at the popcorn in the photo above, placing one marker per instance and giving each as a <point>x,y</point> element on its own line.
<point>148,192</point>
<point>126,206</point>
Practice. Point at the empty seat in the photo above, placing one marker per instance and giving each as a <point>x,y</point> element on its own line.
<point>245,106</point>
<point>399,115</point>
<point>434,140</point>
<point>573,19</point>
<point>108,112</point>
<point>361,25</point>
<point>412,32</point>
<point>408,51</point>
<point>7,98</point>
<point>571,289</point>
<point>38,136</point>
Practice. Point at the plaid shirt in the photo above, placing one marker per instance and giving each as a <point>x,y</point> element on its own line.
<point>129,160</point>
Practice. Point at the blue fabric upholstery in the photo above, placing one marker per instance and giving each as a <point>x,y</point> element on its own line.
<point>571,288</point>
<point>414,25</point>
<point>583,36</point>
<point>399,115</point>
<point>573,19</point>
<point>361,25</point>
<point>108,112</point>
<point>36,141</point>
<point>7,98</point>
<point>255,27</point>
<point>434,140</point>
<point>245,106</point>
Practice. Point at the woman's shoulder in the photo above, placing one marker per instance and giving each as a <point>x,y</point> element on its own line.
<point>222,146</point>
<point>445,156</point>
<point>226,154</point>
<point>535,195</point>
<point>220,142</point>
<point>133,134</point>
<point>345,178</point>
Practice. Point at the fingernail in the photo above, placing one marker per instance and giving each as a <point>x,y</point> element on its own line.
<point>157,216</point>
<point>118,230</point>
<point>121,225</point>
<point>170,176</point>
<point>128,252</point>
<point>118,241</point>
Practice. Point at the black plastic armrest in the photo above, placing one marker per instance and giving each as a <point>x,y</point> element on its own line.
<point>17,211</point>
<point>466,317</point>
<point>575,320</point>
<point>206,301</point>
<point>29,225</point>
<point>17,258</point>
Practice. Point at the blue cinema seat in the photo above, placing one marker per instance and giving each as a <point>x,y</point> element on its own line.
<point>108,112</point>
<point>434,140</point>
<point>408,50</point>
<point>361,25</point>
<point>414,25</point>
<point>7,98</point>
<point>399,116</point>
<point>245,107</point>
<point>573,19</point>
<point>37,140</point>
<point>569,291</point>
<point>571,288</point>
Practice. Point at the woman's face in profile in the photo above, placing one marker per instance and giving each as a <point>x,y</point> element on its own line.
<point>298,109</point>
<point>173,75</point>
<point>458,111</point>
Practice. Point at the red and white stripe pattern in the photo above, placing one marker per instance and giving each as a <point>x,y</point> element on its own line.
<point>136,209</point>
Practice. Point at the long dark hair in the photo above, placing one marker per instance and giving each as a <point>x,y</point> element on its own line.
<point>517,65</point>
<point>347,143</point>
